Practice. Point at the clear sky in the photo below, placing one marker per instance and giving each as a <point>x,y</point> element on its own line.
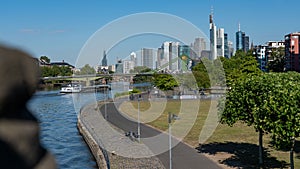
<point>60,28</point>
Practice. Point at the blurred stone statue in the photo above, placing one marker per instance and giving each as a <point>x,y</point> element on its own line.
<point>20,146</point>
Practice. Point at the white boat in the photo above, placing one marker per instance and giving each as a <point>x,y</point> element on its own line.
<point>71,88</point>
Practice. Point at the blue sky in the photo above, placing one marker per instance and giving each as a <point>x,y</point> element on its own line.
<point>60,28</point>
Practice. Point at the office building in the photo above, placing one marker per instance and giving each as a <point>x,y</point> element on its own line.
<point>104,59</point>
<point>185,61</point>
<point>220,43</point>
<point>147,56</point>
<point>198,46</point>
<point>128,66</point>
<point>261,52</point>
<point>119,66</point>
<point>169,60</point>
<point>292,52</point>
<point>160,56</point>
<point>213,37</point>
<point>133,58</point>
<point>226,46</point>
<point>242,41</point>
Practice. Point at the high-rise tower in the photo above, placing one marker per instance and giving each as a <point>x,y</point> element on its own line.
<point>242,41</point>
<point>213,37</point>
<point>104,59</point>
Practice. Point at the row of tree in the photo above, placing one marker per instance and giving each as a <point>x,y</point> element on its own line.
<point>267,101</point>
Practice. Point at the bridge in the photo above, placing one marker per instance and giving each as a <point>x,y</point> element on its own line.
<point>89,80</point>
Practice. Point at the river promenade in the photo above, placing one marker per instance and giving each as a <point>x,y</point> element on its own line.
<point>92,126</point>
<point>104,142</point>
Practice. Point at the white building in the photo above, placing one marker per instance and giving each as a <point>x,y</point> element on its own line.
<point>199,45</point>
<point>169,60</point>
<point>127,66</point>
<point>220,42</point>
<point>213,38</point>
<point>147,57</point>
<point>133,58</point>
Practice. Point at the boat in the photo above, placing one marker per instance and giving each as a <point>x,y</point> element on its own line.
<point>71,88</point>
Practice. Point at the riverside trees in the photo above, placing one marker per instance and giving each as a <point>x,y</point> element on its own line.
<point>268,102</point>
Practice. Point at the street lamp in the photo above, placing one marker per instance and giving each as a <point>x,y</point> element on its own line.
<point>139,129</point>
<point>170,118</point>
<point>105,98</point>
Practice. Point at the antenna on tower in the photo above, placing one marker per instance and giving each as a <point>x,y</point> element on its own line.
<point>211,14</point>
<point>239,26</point>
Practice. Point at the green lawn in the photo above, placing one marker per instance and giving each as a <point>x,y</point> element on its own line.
<point>240,140</point>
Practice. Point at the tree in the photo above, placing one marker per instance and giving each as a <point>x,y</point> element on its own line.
<point>140,69</point>
<point>243,102</point>
<point>87,70</point>
<point>201,75</point>
<point>270,103</point>
<point>164,81</point>
<point>283,104</point>
<point>240,66</point>
<point>276,61</point>
<point>45,59</point>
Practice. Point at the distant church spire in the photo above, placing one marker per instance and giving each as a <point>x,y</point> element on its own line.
<point>104,60</point>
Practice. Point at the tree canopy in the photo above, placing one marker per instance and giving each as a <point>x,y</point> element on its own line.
<point>164,81</point>
<point>87,70</point>
<point>269,102</point>
<point>45,59</point>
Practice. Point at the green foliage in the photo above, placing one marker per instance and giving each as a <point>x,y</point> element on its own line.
<point>87,70</point>
<point>141,78</point>
<point>134,90</point>
<point>209,73</point>
<point>164,81</point>
<point>121,94</point>
<point>240,66</point>
<point>276,61</point>
<point>55,70</point>
<point>45,59</point>
<point>269,102</point>
<point>140,69</point>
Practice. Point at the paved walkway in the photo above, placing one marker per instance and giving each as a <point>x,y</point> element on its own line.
<point>122,151</point>
<point>155,143</point>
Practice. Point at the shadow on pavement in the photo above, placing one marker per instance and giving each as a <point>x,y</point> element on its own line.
<point>244,155</point>
<point>297,149</point>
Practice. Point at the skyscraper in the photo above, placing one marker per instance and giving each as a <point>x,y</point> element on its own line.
<point>213,37</point>
<point>198,46</point>
<point>245,43</point>
<point>168,60</point>
<point>242,41</point>
<point>220,42</point>
<point>160,56</point>
<point>104,59</point>
<point>239,39</point>
<point>147,57</point>
<point>226,47</point>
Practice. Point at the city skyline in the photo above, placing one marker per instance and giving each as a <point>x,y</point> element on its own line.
<point>59,29</point>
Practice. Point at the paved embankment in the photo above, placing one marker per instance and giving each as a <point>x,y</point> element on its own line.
<point>113,149</point>
<point>183,156</point>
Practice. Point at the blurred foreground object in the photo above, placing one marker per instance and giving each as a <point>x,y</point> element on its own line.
<point>20,146</point>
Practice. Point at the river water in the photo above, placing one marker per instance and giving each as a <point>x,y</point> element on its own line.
<point>58,121</point>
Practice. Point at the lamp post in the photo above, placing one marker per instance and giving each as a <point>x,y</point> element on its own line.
<point>170,140</point>
<point>105,98</point>
<point>170,118</point>
<point>139,129</point>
